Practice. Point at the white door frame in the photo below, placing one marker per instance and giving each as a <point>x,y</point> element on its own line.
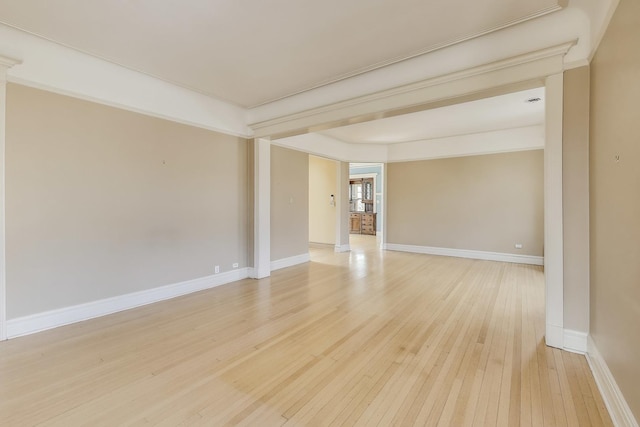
<point>376,209</point>
<point>541,68</point>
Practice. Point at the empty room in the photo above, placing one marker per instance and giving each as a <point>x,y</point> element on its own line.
<point>319,213</point>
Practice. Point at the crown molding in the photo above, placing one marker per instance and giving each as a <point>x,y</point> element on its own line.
<point>8,61</point>
<point>576,64</point>
<point>517,69</point>
<point>601,27</point>
<point>561,4</point>
<point>55,68</point>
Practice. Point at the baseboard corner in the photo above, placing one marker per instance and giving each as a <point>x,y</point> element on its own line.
<point>342,248</point>
<point>575,341</point>
<point>290,261</point>
<point>615,402</point>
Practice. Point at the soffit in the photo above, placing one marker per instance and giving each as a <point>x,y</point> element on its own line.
<point>250,52</point>
<point>488,114</point>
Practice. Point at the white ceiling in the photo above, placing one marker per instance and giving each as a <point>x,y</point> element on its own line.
<point>484,115</point>
<point>250,52</point>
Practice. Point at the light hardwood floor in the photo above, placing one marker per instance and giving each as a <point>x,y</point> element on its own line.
<point>365,338</point>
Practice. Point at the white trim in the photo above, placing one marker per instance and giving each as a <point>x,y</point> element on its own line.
<point>8,62</point>
<point>342,211</point>
<point>356,165</point>
<point>466,253</point>
<point>554,334</point>
<point>56,68</point>
<point>383,226</point>
<point>619,410</point>
<point>5,63</point>
<point>146,111</point>
<point>599,29</point>
<point>576,64</point>
<point>575,341</point>
<point>262,208</point>
<point>517,69</point>
<point>290,261</point>
<point>553,211</point>
<point>419,53</point>
<point>77,313</point>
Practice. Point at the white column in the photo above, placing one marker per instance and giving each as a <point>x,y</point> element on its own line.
<point>383,228</point>
<point>5,64</point>
<point>553,235</point>
<point>262,209</point>
<point>342,208</point>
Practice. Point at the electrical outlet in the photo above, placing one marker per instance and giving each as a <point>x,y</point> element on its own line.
<point>217,269</point>
<point>235,265</point>
<point>518,245</point>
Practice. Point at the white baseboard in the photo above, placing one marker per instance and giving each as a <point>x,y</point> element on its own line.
<point>466,253</point>
<point>289,262</point>
<point>619,410</point>
<point>63,316</point>
<point>554,336</point>
<point>575,341</point>
<point>342,248</point>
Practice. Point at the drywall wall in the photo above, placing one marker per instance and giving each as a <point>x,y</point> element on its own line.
<point>102,202</point>
<point>289,203</point>
<point>485,203</point>
<point>323,175</point>
<point>615,200</point>
<point>575,198</point>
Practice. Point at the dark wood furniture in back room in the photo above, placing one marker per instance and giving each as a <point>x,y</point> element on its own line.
<point>362,218</point>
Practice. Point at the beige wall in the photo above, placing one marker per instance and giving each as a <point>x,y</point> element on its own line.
<point>575,195</point>
<point>289,203</point>
<point>615,200</point>
<point>102,202</point>
<point>486,203</point>
<point>323,175</point>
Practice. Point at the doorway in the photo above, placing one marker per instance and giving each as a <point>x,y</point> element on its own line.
<point>366,204</point>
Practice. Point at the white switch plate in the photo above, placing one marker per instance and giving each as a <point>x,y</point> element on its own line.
<point>518,245</point>
<point>217,269</point>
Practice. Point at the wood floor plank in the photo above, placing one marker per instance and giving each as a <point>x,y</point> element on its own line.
<point>367,338</point>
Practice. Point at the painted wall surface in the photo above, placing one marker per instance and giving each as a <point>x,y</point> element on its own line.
<point>615,200</point>
<point>484,203</point>
<point>289,203</point>
<point>377,170</point>
<point>575,198</point>
<point>323,174</point>
<point>103,202</point>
